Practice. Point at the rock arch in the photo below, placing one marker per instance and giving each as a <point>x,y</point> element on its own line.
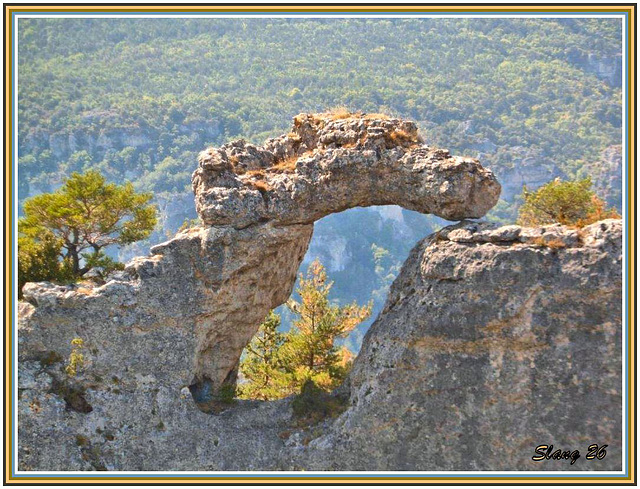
<point>202,295</point>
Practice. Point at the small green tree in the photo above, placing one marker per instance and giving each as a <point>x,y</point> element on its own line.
<point>76,223</point>
<point>571,203</point>
<point>40,260</point>
<point>310,351</point>
<point>262,365</point>
<point>277,365</point>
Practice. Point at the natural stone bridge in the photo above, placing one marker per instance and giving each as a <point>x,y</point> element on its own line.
<point>218,282</point>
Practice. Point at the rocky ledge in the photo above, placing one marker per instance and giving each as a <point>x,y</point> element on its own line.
<point>493,341</point>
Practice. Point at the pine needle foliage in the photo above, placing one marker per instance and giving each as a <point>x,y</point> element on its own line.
<point>262,365</point>
<point>276,364</point>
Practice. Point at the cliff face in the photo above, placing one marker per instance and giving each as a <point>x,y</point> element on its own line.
<point>492,342</point>
<point>483,325</point>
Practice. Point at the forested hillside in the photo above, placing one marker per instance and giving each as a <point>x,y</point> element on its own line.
<point>137,99</point>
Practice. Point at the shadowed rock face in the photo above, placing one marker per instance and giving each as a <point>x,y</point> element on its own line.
<point>325,166</point>
<point>208,289</point>
<point>492,341</point>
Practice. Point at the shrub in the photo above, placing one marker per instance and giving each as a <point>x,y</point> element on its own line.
<point>571,203</point>
<point>76,358</point>
<point>40,260</point>
<point>314,404</point>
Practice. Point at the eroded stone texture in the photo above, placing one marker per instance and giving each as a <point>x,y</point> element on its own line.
<point>324,166</point>
<point>493,341</point>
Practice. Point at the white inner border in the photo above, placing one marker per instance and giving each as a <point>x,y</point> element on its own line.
<point>381,474</point>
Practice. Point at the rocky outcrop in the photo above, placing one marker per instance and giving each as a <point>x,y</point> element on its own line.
<point>204,293</point>
<point>328,164</point>
<point>605,66</point>
<point>493,341</point>
<point>103,131</point>
<point>606,175</point>
<point>530,168</point>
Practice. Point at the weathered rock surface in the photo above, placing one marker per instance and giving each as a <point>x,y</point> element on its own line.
<point>327,165</point>
<point>492,342</point>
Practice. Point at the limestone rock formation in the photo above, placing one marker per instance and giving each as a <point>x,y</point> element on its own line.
<point>493,341</point>
<point>205,292</point>
<point>327,164</point>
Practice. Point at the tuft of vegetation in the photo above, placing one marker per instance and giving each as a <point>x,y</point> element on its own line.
<point>76,358</point>
<point>49,358</point>
<point>288,165</point>
<point>398,137</point>
<point>74,395</point>
<point>554,244</point>
<point>190,223</point>
<point>571,203</point>
<point>262,186</point>
<point>82,440</point>
<point>338,113</point>
<point>226,394</point>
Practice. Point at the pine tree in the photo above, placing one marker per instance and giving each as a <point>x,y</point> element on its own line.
<point>276,364</point>
<point>310,351</point>
<point>262,365</point>
<point>77,222</point>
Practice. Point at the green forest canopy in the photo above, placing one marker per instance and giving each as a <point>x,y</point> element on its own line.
<point>186,83</point>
